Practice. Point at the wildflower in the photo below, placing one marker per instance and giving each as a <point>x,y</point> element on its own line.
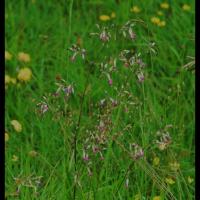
<point>174,166</point>
<point>160,13</point>
<point>44,108</point>
<point>24,74</point>
<point>7,79</point>
<point>156,161</point>
<point>127,183</point>
<point>110,82</point>
<point>85,156</point>
<point>32,153</point>
<point>24,57</point>
<point>68,90</point>
<point>16,125</point>
<point>6,137</point>
<point>105,37</point>
<point>140,77</point>
<point>155,20</point>
<point>161,23</point>
<point>15,158</point>
<point>138,152</point>
<point>104,17</point>
<point>190,180</point>
<point>164,5</point>
<point>89,172</point>
<point>131,34</point>
<point>135,9</point>
<point>8,56</point>
<point>113,15</point>
<point>186,7</point>
<point>157,198</point>
<point>169,181</point>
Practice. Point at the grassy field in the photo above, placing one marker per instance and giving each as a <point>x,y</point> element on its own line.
<point>97,125</point>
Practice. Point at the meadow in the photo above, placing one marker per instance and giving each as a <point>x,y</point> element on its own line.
<point>99,100</point>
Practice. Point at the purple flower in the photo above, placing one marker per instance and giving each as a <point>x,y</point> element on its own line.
<point>140,77</point>
<point>110,82</point>
<point>104,36</point>
<point>44,108</point>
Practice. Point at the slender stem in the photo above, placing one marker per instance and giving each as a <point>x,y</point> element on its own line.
<point>76,134</point>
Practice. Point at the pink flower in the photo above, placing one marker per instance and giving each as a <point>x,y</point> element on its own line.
<point>110,82</point>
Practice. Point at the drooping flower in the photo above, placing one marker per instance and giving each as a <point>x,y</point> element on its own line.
<point>16,125</point>
<point>104,18</point>
<point>140,77</point>
<point>164,5</point>
<point>186,7</point>
<point>8,56</point>
<point>24,74</point>
<point>135,9</point>
<point>24,57</point>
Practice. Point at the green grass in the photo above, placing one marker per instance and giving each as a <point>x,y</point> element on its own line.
<point>166,97</point>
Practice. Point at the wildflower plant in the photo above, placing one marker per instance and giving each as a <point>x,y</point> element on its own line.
<point>92,141</point>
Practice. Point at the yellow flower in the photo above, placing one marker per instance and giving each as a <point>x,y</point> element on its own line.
<point>7,79</point>
<point>32,153</point>
<point>8,56</point>
<point>186,7</point>
<point>169,181</point>
<point>15,158</point>
<point>16,125</point>
<point>6,137</point>
<point>155,20</point>
<point>174,166</point>
<point>113,15</point>
<point>24,74</point>
<point>135,9</point>
<point>190,180</point>
<point>156,161</point>
<point>157,198</point>
<point>162,23</point>
<point>104,18</point>
<point>160,13</point>
<point>24,57</point>
<point>164,5</point>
